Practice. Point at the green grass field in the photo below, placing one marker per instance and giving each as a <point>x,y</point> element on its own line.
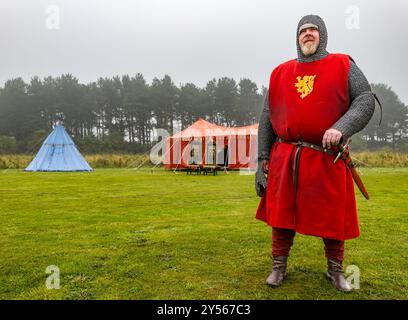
<point>133,234</point>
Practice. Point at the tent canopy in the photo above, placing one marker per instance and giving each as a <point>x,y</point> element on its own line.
<point>58,153</point>
<point>202,128</point>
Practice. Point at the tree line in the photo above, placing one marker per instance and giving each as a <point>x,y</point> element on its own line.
<point>120,113</point>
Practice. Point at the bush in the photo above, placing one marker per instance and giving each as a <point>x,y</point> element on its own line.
<point>364,159</point>
<point>7,145</point>
<point>19,161</point>
<point>118,160</point>
<point>14,161</point>
<point>381,159</point>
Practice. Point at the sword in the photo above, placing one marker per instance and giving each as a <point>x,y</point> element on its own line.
<point>345,155</point>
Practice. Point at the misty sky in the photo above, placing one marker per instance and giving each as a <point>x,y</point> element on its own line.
<point>195,40</point>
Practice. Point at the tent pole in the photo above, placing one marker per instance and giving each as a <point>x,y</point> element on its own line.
<point>225,162</point>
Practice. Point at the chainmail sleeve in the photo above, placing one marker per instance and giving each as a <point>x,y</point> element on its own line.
<point>362,103</point>
<point>266,135</point>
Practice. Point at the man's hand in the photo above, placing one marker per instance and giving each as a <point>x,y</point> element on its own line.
<point>331,138</point>
<point>260,178</point>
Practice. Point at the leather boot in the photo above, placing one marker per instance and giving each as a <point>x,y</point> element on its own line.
<point>275,279</point>
<point>336,275</point>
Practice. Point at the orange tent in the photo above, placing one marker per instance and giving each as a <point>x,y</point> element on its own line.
<point>205,143</point>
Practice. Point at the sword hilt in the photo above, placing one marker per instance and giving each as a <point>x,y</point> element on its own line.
<point>343,149</point>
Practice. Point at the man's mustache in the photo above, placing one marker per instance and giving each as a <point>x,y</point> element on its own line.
<point>308,39</point>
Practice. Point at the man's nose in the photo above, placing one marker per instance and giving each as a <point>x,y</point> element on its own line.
<point>308,33</point>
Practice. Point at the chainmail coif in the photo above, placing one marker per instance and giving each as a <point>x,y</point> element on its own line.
<point>321,51</point>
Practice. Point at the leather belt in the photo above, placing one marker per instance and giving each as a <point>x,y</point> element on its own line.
<point>299,145</point>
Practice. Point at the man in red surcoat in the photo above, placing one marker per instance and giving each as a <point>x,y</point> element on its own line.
<point>314,103</point>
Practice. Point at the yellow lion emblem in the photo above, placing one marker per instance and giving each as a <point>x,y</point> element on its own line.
<point>305,85</point>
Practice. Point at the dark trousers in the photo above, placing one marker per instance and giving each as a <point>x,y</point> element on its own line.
<point>282,240</point>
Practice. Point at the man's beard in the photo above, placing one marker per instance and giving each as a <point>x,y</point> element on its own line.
<point>309,48</point>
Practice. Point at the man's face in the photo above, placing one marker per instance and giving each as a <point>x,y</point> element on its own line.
<point>309,40</point>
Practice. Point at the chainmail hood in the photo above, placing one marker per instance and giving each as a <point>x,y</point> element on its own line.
<point>321,49</point>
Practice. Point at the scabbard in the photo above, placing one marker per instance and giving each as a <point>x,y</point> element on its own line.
<point>359,182</point>
<point>345,155</point>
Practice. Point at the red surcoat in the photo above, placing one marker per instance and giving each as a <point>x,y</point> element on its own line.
<point>305,100</point>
